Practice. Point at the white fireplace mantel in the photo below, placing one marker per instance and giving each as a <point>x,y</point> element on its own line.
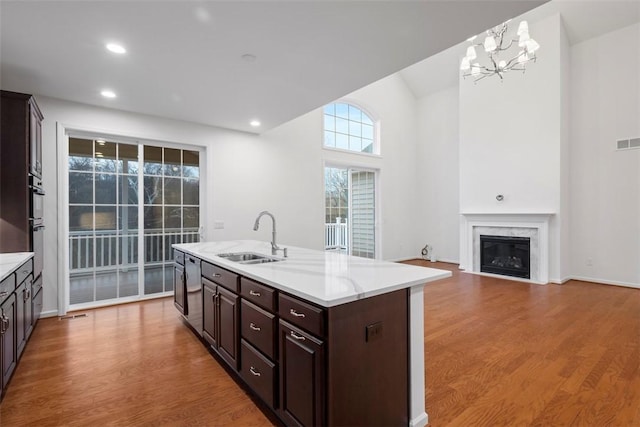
<point>536,224</point>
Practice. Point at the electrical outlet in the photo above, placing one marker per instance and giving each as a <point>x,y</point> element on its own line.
<point>218,225</point>
<point>373,331</point>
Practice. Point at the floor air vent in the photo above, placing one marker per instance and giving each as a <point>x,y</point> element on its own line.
<point>72,316</point>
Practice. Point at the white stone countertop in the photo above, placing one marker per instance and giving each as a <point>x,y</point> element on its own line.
<point>9,262</point>
<point>325,278</point>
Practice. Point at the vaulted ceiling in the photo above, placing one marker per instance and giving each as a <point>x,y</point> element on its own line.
<point>227,63</point>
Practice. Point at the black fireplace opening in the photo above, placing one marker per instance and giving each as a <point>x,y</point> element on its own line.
<point>506,255</point>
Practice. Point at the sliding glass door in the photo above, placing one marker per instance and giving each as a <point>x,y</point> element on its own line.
<point>128,203</point>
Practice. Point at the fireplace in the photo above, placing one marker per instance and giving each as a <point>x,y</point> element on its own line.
<point>506,255</point>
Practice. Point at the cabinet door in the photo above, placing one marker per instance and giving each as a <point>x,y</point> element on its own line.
<point>209,312</point>
<point>35,142</point>
<point>8,341</point>
<point>302,377</point>
<point>228,334</point>
<point>178,287</point>
<point>21,339</point>
<point>27,299</point>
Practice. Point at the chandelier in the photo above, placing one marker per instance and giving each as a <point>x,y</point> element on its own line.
<point>498,60</point>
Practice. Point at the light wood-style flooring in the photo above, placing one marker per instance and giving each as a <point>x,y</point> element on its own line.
<point>498,353</point>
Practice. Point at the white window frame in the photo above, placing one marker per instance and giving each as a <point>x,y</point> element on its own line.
<point>63,132</point>
<point>377,149</point>
<point>340,164</point>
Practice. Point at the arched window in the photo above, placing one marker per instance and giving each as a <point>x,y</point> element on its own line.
<point>347,127</point>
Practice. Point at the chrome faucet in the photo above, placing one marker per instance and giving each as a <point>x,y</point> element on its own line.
<point>274,245</point>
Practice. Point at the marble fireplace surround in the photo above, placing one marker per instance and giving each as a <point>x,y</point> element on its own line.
<point>532,225</point>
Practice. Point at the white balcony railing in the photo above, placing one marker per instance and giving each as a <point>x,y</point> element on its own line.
<point>112,250</point>
<point>336,235</point>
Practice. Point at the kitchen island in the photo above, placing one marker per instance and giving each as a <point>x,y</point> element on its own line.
<point>321,337</point>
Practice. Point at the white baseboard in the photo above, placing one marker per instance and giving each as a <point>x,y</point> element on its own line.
<point>49,313</point>
<point>420,421</point>
<point>606,282</point>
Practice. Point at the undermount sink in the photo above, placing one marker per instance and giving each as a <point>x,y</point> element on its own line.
<point>248,258</point>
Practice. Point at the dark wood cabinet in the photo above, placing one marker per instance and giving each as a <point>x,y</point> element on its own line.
<point>179,292</point>
<point>221,313</point>
<point>311,365</point>
<point>209,312</point>
<point>259,327</point>
<point>36,301</point>
<point>20,156</point>
<point>259,372</point>
<point>18,316</point>
<point>302,377</point>
<point>35,139</point>
<point>8,338</point>
<point>23,315</point>
<point>229,315</point>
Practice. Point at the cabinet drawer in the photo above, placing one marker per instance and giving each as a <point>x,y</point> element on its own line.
<point>301,314</point>
<point>259,372</point>
<point>36,286</point>
<point>24,271</point>
<point>258,293</point>
<point>258,327</point>
<point>221,276</point>
<point>7,286</point>
<point>178,257</point>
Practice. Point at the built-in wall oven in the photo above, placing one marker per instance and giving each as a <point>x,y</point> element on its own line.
<point>36,223</point>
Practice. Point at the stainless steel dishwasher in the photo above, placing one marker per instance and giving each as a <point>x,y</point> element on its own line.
<point>194,293</point>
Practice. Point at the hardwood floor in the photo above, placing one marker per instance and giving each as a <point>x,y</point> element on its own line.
<point>505,353</point>
<point>498,353</point>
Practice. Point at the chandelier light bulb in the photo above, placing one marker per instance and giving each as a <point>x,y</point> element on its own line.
<point>489,44</point>
<point>471,53</point>
<point>465,64</point>
<point>501,53</point>
<point>523,28</point>
<point>532,45</point>
<point>522,57</point>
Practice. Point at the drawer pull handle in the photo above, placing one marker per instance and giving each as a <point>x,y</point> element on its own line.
<point>217,275</point>
<point>254,293</point>
<point>254,327</point>
<point>298,337</point>
<point>3,294</point>
<point>295,313</point>
<point>254,372</point>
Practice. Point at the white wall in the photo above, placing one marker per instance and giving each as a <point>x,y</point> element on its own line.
<point>438,172</point>
<point>280,171</point>
<point>391,102</point>
<point>510,138</point>
<point>605,183</point>
<point>510,131</point>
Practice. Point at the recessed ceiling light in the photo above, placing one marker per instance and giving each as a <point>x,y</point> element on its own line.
<point>254,123</point>
<point>116,48</point>
<point>108,93</point>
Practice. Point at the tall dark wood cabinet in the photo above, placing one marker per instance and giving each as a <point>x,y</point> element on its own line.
<point>21,224</point>
<point>21,194</point>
